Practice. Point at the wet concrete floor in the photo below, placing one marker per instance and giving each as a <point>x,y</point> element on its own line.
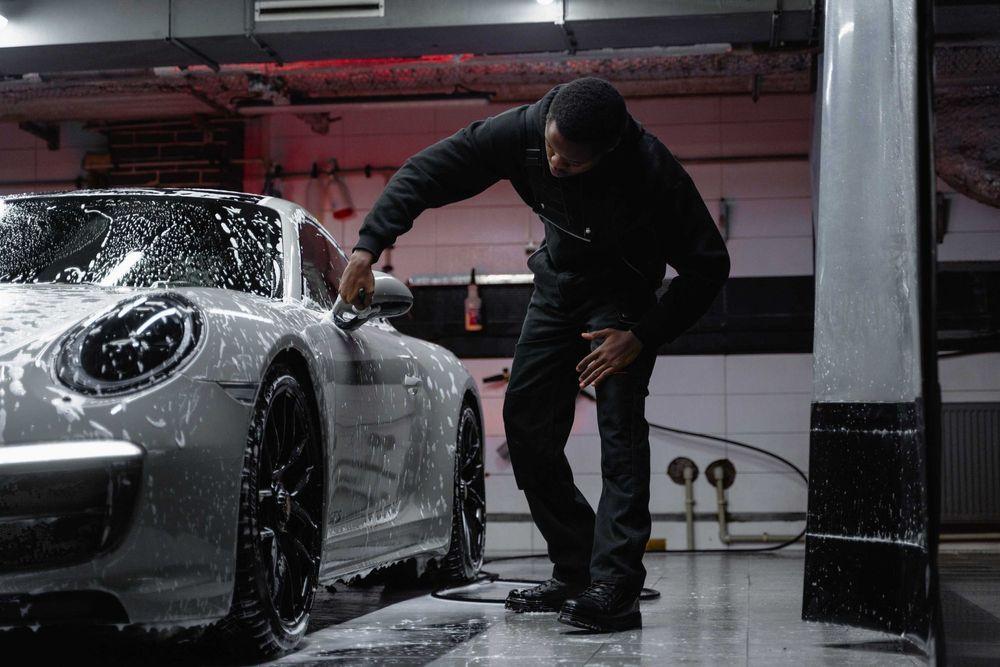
<point>714,609</point>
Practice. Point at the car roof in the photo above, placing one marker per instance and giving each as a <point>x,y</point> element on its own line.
<point>194,193</point>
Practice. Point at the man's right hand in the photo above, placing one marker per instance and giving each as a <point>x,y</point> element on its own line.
<point>358,275</point>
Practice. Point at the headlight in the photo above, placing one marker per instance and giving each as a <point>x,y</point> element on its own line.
<point>135,345</point>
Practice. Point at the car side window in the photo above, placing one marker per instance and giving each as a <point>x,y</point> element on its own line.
<point>338,263</point>
<point>317,264</point>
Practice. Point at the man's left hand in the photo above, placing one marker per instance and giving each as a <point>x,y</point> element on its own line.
<point>619,349</point>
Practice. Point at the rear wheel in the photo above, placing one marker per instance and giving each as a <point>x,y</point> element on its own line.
<point>280,522</point>
<point>468,525</point>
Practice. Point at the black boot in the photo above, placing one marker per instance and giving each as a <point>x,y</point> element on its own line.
<point>606,606</point>
<point>546,596</point>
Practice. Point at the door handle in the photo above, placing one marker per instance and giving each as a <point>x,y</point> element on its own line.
<point>411,382</point>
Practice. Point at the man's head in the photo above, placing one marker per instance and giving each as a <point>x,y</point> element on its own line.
<point>585,121</point>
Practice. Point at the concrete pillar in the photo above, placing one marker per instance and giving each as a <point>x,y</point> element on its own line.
<point>868,556</point>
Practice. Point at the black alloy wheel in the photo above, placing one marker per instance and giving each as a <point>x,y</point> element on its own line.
<point>289,516</point>
<point>468,530</point>
<point>280,525</point>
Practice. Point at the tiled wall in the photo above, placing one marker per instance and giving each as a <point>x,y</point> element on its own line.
<point>770,225</point>
<point>763,400</point>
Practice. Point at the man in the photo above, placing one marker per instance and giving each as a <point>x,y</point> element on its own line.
<point>617,207</point>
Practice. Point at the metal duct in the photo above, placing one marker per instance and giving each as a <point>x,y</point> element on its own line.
<point>156,33</point>
<point>298,10</point>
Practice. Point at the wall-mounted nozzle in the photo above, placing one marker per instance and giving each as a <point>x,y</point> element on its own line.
<point>683,470</point>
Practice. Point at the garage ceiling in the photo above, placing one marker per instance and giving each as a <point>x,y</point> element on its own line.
<point>144,59</point>
<point>110,34</point>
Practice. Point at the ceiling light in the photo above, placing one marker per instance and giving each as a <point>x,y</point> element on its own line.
<point>545,2</point>
<point>3,21</point>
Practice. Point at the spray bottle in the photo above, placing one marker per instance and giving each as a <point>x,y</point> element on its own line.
<point>472,306</point>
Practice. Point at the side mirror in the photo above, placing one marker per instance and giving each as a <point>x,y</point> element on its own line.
<point>391,299</point>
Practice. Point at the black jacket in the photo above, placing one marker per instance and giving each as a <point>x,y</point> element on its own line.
<point>635,212</point>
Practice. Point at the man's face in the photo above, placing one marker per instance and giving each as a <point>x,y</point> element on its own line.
<point>565,157</point>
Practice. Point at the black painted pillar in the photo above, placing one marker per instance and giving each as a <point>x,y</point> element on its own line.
<point>870,538</point>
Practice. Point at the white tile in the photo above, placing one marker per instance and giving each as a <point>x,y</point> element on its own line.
<point>768,413</point>
<point>365,189</point>
<point>762,138</point>
<point>422,233</point>
<point>584,453</point>
<point>978,372</point>
<point>741,109</point>
<point>493,415</point>
<point>496,458</point>
<point>298,153</point>
<point>683,374</point>
<point>783,256</point>
<point>692,140</point>
<point>508,537</point>
<point>768,373</point>
<point>408,261</point>
<point>502,495</point>
<point>792,446</point>
<point>707,179</point>
<point>665,496</point>
<point>703,413</point>
<point>388,120</point>
<point>756,180</point>
<point>290,125</point>
<point>767,492</point>
<point>450,119</point>
<point>483,225</point>
<point>380,150</point>
<point>968,215</point>
<point>585,417</point>
<point>590,487</point>
<point>486,367</point>
<point>674,110</point>
<point>751,218</point>
<point>969,246</point>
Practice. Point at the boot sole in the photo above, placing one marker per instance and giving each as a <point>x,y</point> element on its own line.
<point>626,622</point>
<point>526,606</point>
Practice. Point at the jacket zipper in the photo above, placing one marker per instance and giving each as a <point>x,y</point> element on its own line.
<point>565,231</point>
<point>629,264</point>
<point>538,250</point>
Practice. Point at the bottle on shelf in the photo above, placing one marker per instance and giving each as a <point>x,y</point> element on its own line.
<point>472,306</point>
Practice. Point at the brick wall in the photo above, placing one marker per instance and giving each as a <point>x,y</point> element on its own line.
<point>202,152</point>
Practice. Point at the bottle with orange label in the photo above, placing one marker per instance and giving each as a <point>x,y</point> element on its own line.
<point>472,306</point>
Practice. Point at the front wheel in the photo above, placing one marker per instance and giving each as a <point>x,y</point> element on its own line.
<point>468,525</point>
<point>280,537</point>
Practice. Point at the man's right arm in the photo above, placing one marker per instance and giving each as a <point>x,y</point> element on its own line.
<point>455,168</point>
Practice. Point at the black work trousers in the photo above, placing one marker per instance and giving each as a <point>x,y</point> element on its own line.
<point>538,412</point>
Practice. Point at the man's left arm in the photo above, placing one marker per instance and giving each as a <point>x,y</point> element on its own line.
<point>697,252</point>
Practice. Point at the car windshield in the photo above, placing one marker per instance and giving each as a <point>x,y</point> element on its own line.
<point>141,241</point>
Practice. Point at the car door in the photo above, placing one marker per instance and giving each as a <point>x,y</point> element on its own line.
<point>373,407</point>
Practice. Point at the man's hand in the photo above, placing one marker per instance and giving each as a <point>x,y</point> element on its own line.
<point>619,349</point>
<point>358,275</point>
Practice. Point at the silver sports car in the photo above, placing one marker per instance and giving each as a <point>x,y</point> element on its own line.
<point>194,430</point>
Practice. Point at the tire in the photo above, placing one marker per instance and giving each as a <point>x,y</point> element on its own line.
<point>468,521</point>
<point>279,537</point>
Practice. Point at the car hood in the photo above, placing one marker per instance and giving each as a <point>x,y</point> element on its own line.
<point>33,315</point>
